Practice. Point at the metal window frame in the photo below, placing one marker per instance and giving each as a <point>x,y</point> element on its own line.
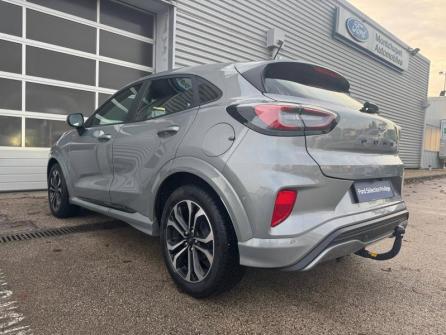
<point>23,77</point>
<point>93,56</point>
<point>78,19</point>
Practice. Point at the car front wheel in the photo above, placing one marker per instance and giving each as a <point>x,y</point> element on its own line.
<point>199,243</point>
<point>58,198</point>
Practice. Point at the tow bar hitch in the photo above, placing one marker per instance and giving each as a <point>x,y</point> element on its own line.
<point>398,234</point>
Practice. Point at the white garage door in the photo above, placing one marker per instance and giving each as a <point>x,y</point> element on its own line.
<point>59,57</point>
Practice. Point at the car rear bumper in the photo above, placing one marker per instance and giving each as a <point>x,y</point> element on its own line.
<point>306,250</point>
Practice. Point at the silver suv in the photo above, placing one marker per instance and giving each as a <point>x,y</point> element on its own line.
<point>266,164</point>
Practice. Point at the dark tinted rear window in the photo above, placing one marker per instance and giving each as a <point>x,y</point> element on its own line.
<point>207,92</point>
<point>291,88</point>
<point>308,81</point>
<point>307,74</point>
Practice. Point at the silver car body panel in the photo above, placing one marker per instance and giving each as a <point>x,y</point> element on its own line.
<point>286,252</point>
<point>90,162</point>
<point>139,152</point>
<point>361,146</point>
<point>121,178</point>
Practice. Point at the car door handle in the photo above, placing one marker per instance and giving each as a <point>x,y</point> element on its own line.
<point>104,137</point>
<point>169,131</point>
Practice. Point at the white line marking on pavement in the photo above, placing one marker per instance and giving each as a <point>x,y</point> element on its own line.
<point>10,318</point>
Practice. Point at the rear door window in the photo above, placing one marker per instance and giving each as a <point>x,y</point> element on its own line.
<point>165,96</point>
<point>207,92</point>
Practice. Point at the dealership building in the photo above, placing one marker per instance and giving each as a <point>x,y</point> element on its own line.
<point>63,56</point>
<point>434,153</point>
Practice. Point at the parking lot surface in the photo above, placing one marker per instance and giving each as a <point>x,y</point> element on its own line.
<point>114,282</point>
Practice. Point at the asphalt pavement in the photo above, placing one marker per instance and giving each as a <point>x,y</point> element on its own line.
<point>114,282</point>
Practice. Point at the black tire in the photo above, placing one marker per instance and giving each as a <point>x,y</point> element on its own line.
<point>225,271</point>
<point>58,198</point>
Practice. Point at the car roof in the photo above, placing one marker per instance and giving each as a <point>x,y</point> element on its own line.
<point>208,71</point>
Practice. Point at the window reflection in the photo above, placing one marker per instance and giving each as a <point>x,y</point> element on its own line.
<point>10,131</point>
<point>43,133</point>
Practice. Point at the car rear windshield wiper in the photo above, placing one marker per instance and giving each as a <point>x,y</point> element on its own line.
<point>370,108</point>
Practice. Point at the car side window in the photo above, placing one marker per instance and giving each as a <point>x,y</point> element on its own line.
<point>207,92</point>
<point>166,96</point>
<point>115,110</point>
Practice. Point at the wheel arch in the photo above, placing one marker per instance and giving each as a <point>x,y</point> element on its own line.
<point>55,160</point>
<point>52,161</point>
<point>193,171</point>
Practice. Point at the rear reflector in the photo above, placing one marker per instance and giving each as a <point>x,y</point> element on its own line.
<point>283,206</point>
<point>284,119</point>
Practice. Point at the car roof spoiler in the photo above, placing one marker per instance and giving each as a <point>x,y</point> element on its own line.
<point>300,72</point>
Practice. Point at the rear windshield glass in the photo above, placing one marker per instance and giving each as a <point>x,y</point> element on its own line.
<point>292,88</point>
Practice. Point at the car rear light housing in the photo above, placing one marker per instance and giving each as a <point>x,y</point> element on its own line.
<point>284,119</point>
<point>283,206</point>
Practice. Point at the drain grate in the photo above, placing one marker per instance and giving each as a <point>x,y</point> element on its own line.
<point>51,232</point>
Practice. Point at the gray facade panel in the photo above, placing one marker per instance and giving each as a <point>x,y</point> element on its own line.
<point>430,159</point>
<point>228,31</point>
<point>436,111</point>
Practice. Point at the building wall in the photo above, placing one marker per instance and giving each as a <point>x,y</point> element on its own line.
<point>432,133</point>
<point>56,58</point>
<point>436,111</point>
<point>205,32</point>
<point>228,31</point>
<point>430,159</point>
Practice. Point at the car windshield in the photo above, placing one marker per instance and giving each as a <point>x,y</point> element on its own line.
<point>292,88</point>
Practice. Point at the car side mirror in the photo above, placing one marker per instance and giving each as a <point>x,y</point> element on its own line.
<point>76,120</point>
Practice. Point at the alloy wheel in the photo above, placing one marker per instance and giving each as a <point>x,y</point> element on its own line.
<point>55,189</point>
<point>190,241</point>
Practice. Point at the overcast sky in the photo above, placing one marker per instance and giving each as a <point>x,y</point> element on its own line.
<point>419,23</point>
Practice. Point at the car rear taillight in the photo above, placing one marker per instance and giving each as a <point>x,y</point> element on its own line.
<point>283,206</point>
<point>284,119</point>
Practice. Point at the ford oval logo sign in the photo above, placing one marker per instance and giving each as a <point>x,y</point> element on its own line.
<point>357,29</point>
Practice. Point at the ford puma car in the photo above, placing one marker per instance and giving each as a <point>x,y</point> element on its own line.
<point>266,164</point>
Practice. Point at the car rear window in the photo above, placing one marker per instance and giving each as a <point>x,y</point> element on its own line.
<point>292,88</point>
<point>308,81</point>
